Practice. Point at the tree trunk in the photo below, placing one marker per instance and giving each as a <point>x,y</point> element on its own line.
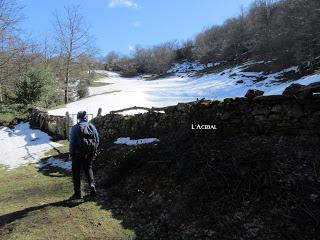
<point>66,90</point>
<point>1,97</point>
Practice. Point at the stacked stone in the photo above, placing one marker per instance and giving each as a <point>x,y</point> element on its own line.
<point>53,125</point>
<point>298,109</point>
<point>253,114</point>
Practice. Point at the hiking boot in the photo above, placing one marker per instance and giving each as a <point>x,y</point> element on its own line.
<point>93,191</point>
<point>75,196</point>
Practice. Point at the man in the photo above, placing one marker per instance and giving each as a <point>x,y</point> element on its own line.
<point>84,140</point>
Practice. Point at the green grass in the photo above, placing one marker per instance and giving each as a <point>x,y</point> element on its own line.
<point>97,77</point>
<point>157,76</point>
<point>25,187</point>
<point>7,117</point>
<point>64,148</point>
<point>33,206</point>
<point>99,84</point>
<point>58,107</point>
<point>115,91</point>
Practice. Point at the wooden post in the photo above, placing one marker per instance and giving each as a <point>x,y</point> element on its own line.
<point>99,112</point>
<point>67,125</point>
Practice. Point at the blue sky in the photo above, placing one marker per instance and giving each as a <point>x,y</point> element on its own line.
<point>122,24</point>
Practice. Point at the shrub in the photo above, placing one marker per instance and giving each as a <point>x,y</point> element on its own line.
<point>155,60</point>
<point>83,88</point>
<point>38,86</point>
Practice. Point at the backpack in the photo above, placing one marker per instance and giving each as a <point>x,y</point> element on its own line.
<point>88,141</point>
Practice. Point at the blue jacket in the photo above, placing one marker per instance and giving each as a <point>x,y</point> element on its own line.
<point>75,136</point>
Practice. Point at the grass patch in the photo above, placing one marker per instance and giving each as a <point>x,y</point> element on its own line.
<point>97,77</point>
<point>25,187</point>
<point>6,118</point>
<point>58,107</point>
<point>63,149</point>
<point>11,112</point>
<point>115,91</point>
<point>158,76</point>
<point>99,84</point>
<point>33,206</point>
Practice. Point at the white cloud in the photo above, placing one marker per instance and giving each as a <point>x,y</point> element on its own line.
<point>122,3</point>
<point>131,48</point>
<point>137,24</point>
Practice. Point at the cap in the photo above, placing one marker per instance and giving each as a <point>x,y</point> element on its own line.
<point>82,115</point>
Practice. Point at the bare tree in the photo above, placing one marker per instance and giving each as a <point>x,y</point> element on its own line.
<point>47,51</point>
<point>143,59</point>
<point>73,38</point>
<point>10,47</point>
<point>111,60</point>
<point>10,15</point>
<point>262,16</point>
<point>163,56</point>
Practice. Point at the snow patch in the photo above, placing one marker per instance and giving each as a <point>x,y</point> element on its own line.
<point>133,112</point>
<point>23,146</point>
<point>128,141</point>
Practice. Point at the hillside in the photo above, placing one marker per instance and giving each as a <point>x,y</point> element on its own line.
<point>187,82</point>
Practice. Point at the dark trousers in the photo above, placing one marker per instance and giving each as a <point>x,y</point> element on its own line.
<point>84,162</point>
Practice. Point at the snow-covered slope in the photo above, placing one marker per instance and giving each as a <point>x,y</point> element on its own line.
<point>183,86</point>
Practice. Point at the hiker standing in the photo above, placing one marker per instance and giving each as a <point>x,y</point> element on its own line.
<point>84,140</point>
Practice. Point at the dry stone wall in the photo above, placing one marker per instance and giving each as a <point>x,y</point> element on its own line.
<point>296,111</point>
<point>255,115</point>
<point>53,125</point>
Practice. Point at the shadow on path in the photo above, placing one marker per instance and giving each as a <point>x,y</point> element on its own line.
<point>54,171</point>
<point>11,217</point>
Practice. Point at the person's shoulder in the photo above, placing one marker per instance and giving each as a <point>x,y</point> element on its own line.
<point>74,127</point>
